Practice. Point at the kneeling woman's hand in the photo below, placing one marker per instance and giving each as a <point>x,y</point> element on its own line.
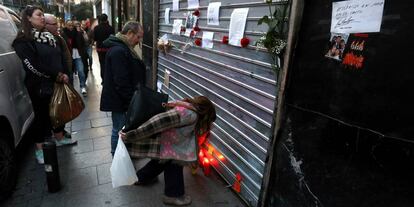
<point>123,135</point>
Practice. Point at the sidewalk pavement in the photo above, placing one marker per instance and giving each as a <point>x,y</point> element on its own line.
<point>84,169</point>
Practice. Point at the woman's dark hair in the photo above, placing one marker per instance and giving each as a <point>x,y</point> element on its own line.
<point>27,27</point>
<point>102,18</point>
<point>206,113</point>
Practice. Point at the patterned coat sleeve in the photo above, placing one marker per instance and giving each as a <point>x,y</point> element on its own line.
<point>156,124</point>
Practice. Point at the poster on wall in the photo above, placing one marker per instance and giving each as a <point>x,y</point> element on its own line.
<point>207,39</point>
<point>354,56</point>
<point>237,25</point>
<point>336,46</point>
<point>357,16</point>
<point>192,4</point>
<point>177,26</point>
<point>213,11</point>
<point>167,16</point>
<point>176,5</point>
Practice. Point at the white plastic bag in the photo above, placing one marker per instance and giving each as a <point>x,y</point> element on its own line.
<point>122,169</point>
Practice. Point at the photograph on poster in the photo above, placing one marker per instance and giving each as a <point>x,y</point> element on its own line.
<point>336,46</point>
<point>191,21</point>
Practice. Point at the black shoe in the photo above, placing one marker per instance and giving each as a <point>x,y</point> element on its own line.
<point>148,182</point>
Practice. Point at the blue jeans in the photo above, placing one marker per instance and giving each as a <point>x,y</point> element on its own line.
<point>81,73</point>
<point>89,52</point>
<point>118,121</point>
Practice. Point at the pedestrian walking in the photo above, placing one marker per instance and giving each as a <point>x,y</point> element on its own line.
<point>100,33</point>
<point>42,61</point>
<point>124,70</point>
<point>171,139</point>
<point>88,37</point>
<point>76,44</point>
<point>62,137</point>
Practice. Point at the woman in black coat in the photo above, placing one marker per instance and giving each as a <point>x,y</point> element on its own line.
<point>43,63</point>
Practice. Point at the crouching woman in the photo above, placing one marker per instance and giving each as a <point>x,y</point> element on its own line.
<point>170,140</point>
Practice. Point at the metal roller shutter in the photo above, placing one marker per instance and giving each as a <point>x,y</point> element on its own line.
<point>241,83</point>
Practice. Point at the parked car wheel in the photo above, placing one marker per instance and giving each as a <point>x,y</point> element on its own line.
<point>8,169</point>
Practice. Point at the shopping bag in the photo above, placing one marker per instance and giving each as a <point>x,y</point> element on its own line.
<point>66,104</point>
<point>145,104</point>
<point>122,169</point>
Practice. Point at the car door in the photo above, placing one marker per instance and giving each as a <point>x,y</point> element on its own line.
<point>5,99</point>
<point>12,65</point>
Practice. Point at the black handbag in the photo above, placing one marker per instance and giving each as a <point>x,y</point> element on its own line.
<point>145,104</point>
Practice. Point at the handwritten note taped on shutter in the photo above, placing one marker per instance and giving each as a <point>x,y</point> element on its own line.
<point>357,16</point>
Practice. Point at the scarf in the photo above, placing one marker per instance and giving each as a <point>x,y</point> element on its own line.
<point>124,39</point>
<point>44,37</point>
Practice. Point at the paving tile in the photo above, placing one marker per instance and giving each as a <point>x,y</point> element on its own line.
<point>93,105</point>
<point>107,121</point>
<point>76,126</point>
<point>101,143</point>
<point>81,147</point>
<point>104,175</point>
<point>87,199</point>
<point>124,195</point>
<point>87,159</point>
<point>92,133</point>
<point>75,180</point>
<point>90,115</point>
<point>53,200</point>
<point>13,203</point>
<point>34,202</point>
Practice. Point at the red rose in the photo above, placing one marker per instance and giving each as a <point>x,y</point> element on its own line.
<point>244,41</point>
<point>197,42</point>
<point>225,40</point>
<point>196,28</point>
<point>196,13</point>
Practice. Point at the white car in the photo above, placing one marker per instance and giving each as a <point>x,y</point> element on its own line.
<point>16,112</point>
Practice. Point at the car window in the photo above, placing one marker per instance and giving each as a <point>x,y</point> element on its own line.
<point>7,32</point>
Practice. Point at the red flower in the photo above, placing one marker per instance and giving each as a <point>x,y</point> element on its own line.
<point>244,41</point>
<point>225,40</point>
<point>196,29</point>
<point>198,42</point>
<point>182,29</point>
<point>196,13</point>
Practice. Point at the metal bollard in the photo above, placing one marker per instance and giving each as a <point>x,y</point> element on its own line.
<point>51,166</point>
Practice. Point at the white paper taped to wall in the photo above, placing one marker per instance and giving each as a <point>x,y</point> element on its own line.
<point>357,16</point>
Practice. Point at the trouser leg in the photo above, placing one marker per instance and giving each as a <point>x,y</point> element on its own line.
<point>101,56</point>
<point>174,180</point>
<point>59,129</point>
<point>41,126</point>
<point>118,121</point>
<point>85,67</point>
<point>79,68</point>
<point>89,51</point>
<point>151,170</point>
